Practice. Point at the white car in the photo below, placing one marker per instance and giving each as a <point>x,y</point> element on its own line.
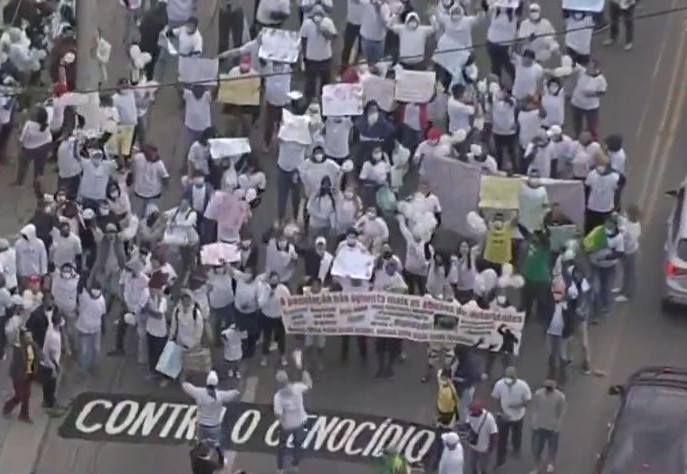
<point>675,284</point>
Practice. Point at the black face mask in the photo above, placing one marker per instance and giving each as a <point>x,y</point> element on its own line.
<point>387,255</point>
<point>549,389</point>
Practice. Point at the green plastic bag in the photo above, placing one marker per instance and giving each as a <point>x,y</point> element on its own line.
<point>386,201</point>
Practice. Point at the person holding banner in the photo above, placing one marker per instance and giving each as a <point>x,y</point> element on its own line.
<point>579,28</point>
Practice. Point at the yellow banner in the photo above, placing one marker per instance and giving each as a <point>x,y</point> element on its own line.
<point>499,192</point>
<point>239,91</point>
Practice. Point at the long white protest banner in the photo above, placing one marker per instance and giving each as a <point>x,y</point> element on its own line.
<point>416,318</point>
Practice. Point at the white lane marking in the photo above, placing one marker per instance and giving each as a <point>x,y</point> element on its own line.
<point>249,393</point>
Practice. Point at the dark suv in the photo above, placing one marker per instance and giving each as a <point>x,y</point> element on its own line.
<point>649,432</point>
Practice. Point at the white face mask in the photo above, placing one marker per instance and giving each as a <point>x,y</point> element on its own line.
<point>535,16</point>
<point>534,182</point>
<point>553,89</point>
<point>413,25</point>
<point>373,117</point>
<point>371,215</point>
<point>348,195</point>
<point>377,155</point>
<point>198,182</point>
<point>318,157</point>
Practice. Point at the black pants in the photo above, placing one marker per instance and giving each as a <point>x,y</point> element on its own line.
<point>351,33</point>
<point>70,185</point>
<point>248,322</point>
<point>508,429</point>
<point>273,115</point>
<point>362,347</point>
<point>5,132</point>
<point>443,76</point>
<point>49,389</point>
<point>585,120</point>
<point>594,219</point>
<point>3,336</point>
<point>578,58</point>
<point>36,156</point>
<point>506,144</point>
<point>628,17</point>
<point>155,347</point>
<point>121,332</point>
<point>272,327</point>
<point>499,55</point>
<point>416,284</point>
<point>392,46</point>
<point>230,24</point>
<point>314,71</point>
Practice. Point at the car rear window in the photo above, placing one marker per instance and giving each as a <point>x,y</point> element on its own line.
<point>682,249</point>
<point>650,435</point>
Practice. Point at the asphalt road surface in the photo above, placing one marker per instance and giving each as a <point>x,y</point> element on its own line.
<point>645,103</point>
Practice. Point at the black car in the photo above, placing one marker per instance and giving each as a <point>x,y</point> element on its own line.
<point>649,432</point>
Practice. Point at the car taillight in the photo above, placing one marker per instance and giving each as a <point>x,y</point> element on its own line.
<point>674,270</point>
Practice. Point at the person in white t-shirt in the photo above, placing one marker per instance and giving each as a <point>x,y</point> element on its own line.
<point>156,322</point>
<point>513,395</point>
<point>603,186</point>
<point>482,438</point>
<point>150,178</point>
<point>538,34</point>
<point>197,115</point>
<point>616,153</point>
<point>528,76</point>
<point>631,228</point>
<point>36,141</point>
<point>586,98</point>
<point>460,110</point>
<point>375,17</point>
<point>291,415</point>
<point>317,34</point>
<point>412,38</point>
<point>604,263</point>
<point>91,311</point>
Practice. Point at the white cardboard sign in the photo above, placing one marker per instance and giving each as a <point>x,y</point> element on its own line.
<point>415,86</point>
<point>342,100</point>
<point>279,45</point>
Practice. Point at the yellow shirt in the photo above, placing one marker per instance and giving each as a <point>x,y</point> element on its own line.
<point>498,245</point>
<point>447,397</point>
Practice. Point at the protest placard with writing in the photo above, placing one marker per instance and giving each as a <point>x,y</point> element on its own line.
<point>499,192</point>
<point>219,253</point>
<point>380,90</point>
<point>198,70</point>
<point>340,100</point>
<point>594,6</point>
<point>295,128</point>
<point>225,147</point>
<point>279,45</point>
<point>506,3</point>
<point>416,318</point>
<point>229,212</point>
<point>415,86</point>
<point>239,90</point>
<point>353,263</point>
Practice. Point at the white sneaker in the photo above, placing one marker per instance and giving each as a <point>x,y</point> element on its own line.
<point>263,362</point>
<point>550,468</point>
<point>284,362</point>
<point>237,374</point>
<point>621,299</point>
<point>629,47</point>
<point>615,291</point>
<point>273,346</point>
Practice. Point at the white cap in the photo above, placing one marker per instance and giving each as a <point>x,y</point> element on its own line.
<point>212,379</point>
<point>554,131</point>
<point>320,241</point>
<point>450,438</point>
<point>295,95</point>
<point>88,214</point>
<point>129,319</point>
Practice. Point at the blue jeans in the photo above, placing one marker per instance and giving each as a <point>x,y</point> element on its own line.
<point>372,50</point>
<point>541,439</point>
<point>211,435</point>
<point>603,287</point>
<point>297,453</point>
<point>224,317</point>
<point>89,348</point>
<point>466,396</point>
<point>288,183</point>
